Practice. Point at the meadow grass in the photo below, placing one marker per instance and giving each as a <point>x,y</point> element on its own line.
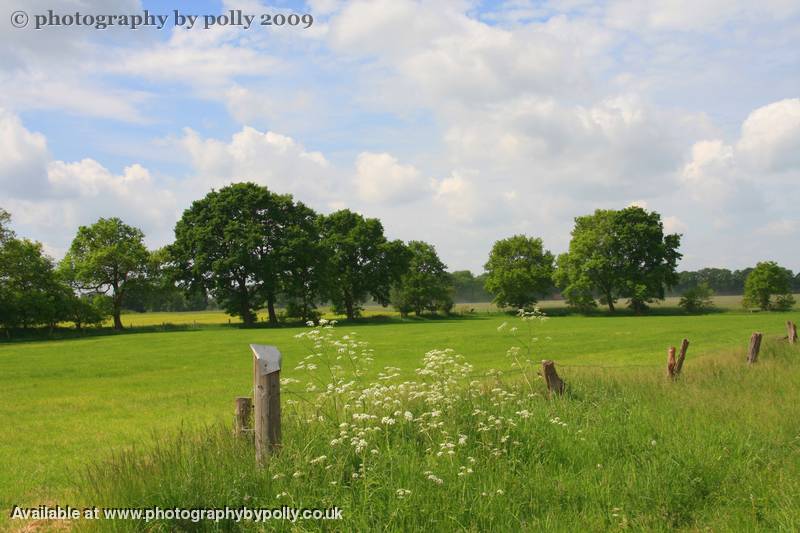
<point>64,404</point>
<point>726,303</point>
<point>716,450</point>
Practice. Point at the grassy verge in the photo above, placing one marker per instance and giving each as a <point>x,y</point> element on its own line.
<point>624,449</point>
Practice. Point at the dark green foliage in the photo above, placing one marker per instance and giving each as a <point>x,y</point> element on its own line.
<point>5,229</point>
<point>105,257</point>
<point>519,271</point>
<point>720,280</point>
<point>426,285</point>
<point>156,289</point>
<point>619,254</point>
<point>697,299</point>
<point>87,309</point>
<point>306,261</point>
<point>363,262</point>
<point>30,291</point>
<point>469,288</point>
<point>231,244</point>
<point>768,287</point>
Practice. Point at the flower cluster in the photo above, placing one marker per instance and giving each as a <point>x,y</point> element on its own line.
<point>458,426</point>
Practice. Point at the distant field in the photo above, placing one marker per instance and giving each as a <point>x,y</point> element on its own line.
<point>727,303</point>
<point>64,403</point>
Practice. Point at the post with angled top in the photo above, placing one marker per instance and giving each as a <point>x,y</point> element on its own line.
<point>554,383</point>
<point>791,328</point>
<point>266,399</point>
<point>755,346</point>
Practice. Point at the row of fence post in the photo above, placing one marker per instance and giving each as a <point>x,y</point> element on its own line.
<point>266,403</point>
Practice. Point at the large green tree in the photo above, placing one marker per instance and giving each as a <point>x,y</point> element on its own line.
<point>105,257</point>
<point>5,226</point>
<point>618,254</point>
<point>232,243</point>
<point>519,271</point>
<point>769,287</point>
<point>305,257</point>
<point>156,289</point>
<point>363,262</point>
<point>426,285</point>
<point>30,291</point>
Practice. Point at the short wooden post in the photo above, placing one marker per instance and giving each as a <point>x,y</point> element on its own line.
<point>243,405</point>
<point>681,356</point>
<point>791,328</point>
<point>266,399</point>
<point>755,346</point>
<point>671,362</point>
<point>554,383</point>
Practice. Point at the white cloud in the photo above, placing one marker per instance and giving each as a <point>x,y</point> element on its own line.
<point>204,59</point>
<point>552,110</point>
<point>268,158</point>
<point>687,15</point>
<point>381,178</point>
<point>673,224</point>
<point>466,201</point>
<point>50,198</point>
<point>23,157</point>
<point>770,138</point>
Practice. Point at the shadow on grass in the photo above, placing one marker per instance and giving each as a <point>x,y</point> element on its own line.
<point>66,333</point>
<point>18,336</point>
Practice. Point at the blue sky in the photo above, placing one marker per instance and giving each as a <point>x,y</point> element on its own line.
<point>455,122</point>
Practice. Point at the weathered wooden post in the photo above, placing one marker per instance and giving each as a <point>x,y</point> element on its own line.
<point>243,405</point>
<point>554,383</point>
<point>671,362</point>
<point>681,356</point>
<point>791,328</point>
<point>266,399</point>
<point>755,346</point>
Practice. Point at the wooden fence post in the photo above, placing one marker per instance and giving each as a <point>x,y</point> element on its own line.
<point>266,399</point>
<point>243,405</point>
<point>681,356</point>
<point>554,383</point>
<point>755,346</point>
<point>791,328</point>
<point>671,362</point>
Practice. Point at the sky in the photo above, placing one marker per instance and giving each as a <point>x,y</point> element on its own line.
<point>455,122</point>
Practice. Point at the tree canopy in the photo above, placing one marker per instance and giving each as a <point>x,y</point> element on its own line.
<point>618,254</point>
<point>231,242</point>
<point>105,257</point>
<point>768,287</point>
<point>5,226</point>
<point>363,262</point>
<point>519,271</point>
<point>426,285</point>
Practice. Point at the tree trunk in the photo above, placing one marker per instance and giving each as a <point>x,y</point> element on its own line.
<point>246,314</point>
<point>610,302</point>
<point>117,318</point>
<point>349,308</point>
<point>273,317</point>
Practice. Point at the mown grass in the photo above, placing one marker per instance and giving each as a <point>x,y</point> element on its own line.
<point>66,403</point>
<point>716,450</point>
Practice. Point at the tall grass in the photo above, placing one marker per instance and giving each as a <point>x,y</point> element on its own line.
<point>623,449</point>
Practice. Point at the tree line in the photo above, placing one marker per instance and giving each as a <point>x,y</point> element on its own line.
<point>244,248</point>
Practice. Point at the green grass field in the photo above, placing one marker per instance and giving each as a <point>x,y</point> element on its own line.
<point>67,403</point>
<point>190,318</point>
